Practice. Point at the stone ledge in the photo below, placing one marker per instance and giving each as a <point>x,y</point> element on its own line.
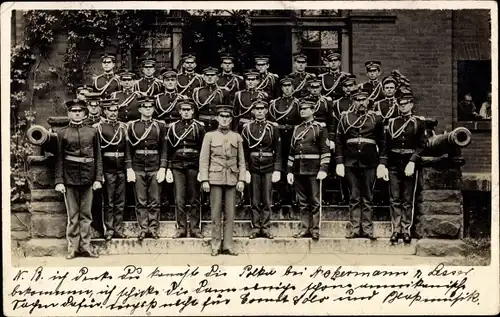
<point>442,248</point>
<point>476,181</point>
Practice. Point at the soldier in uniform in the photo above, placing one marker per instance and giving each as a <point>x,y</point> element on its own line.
<point>128,107</point>
<point>167,103</point>
<point>331,81</point>
<point>146,162</point>
<point>148,84</point>
<point>188,79</point>
<point>208,97</point>
<point>262,144</point>
<point>184,139</point>
<point>361,147</point>
<point>222,172</point>
<point>300,76</point>
<point>227,79</point>
<point>107,82</point>
<point>243,99</point>
<point>307,167</point>
<point>323,108</point>
<point>285,112</point>
<point>388,107</point>
<point>82,91</point>
<point>94,108</point>
<point>373,86</point>
<point>113,140</point>
<point>268,81</point>
<point>78,171</point>
<point>405,142</point>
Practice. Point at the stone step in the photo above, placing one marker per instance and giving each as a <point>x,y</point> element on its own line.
<point>242,228</point>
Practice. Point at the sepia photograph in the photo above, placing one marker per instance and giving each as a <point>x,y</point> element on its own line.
<point>250,138</point>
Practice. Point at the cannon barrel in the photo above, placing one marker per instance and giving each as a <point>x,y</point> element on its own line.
<point>38,135</point>
<point>449,142</point>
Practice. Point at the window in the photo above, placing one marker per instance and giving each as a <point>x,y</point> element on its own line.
<point>474,85</point>
<point>157,46</point>
<point>316,44</point>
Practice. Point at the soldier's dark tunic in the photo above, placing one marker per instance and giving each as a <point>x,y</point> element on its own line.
<point>184,139</point>
<point>146,153</point>
<point>128,107</point>
<point>187,82</point>
<point>309,155</point>
<point>106,84</point>
<point>206,99</point>
<point>323,113</point>
<point>149,86</point>
<point>167,107</point>
<point>262,145</point>
<point>242,109</point>
<point>232,83</point>
<point>361,147</point>
<point>299,83</point>
<point>113,143</point>
<point>374,89</point>
<point>269,83</point>
<point>340,105</point>
<point>331,84</point>
<point>78,165</point>
<point>405,143</point>
<point>388,108</point>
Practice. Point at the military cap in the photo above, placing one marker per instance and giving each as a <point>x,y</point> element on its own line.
<point>108,103</point>
<point>314,82</point>
<point>306,103</point>
<point>287,80</point>
<point>389,79</point>
<point>148,62</point>
<point>260,101</point>
<point>300,57</point>
<point>143,100</point>
<point>226,57</point>
<point>126,74</point>
<point>84,87</point>
<point>168,73</point>
<point>360,94</point>
<point>333,56</point>
<point>350,79</point>
<point>108,55</point>
<point>406,95</point>
<point>93,99</point>
<point>224,108</point>
<point>261,59</point>
<point>210,71</point>
<point>187,56</point>
<point>373,65</point>
<point>76,103</point>
<point>186,102</point>
<point>251,73</point>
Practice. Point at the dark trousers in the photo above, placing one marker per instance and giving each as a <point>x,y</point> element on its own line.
<point>114,201</point>
<point>307,187</point>
<point>147,201</point>
<point>78,204</point>
<point>261,201</point>
<point>187,203</point>
<point>219,194</point>
<point>361,182</point>
<point>97,211</point>
<point>286,193</point>
<point>402,193</point>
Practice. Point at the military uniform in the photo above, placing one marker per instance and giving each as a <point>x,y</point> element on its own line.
<point>300,78</point>
<point>268,81</point>
<point>323,112</point>
<point>188,81</point>
<point>108,82</point>
<point>331,81</point>
<point>128,105</point>
<point>243,103</point>
<point>149,86</point>
<point>93,100</point>
<point>388,106</point>
<point>262,145</point>
<point>373,87</point>
<point>230,81</point>
<point>78,166</point>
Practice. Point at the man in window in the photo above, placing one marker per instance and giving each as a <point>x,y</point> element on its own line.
<point>187,78</point>
<point>227,79</point>
<point>300,76</point>
<point>268,81</point>
<point>331,81</point>
<point>373,86</point>
<point>485,111</point>
<point>107,82</point>
<point>467,109</point>
<point>128,106</point>
<point>149,85</point>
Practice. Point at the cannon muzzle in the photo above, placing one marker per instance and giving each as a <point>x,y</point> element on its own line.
<point>38,135</point>
<point>449,143</point>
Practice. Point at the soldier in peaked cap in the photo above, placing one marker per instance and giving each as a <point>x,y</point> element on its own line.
<point>405,142</point>
<point>373,86</point>
<point>323,108</point>
<point>167,103</point>
<point>227,79</point>
<point>148,84</point>
<point>107,82</point>
<point>361,157</point>
<point>307,167</point>
<point>113,140</point>
<point>300,76</point>
<point>222,172</point>
<point>146,162</point>
<point>208,97</point>
<point>82,91</point>
<point>262,144</point>
<point>187,78</point>
<point>243,99</point>
<point>331,81</point>
<point>184,139</point>
<point>78,171</point>
<point>93,101</point>
<point>268,81</point>
<point>388,107</point>
<point>128,106</point>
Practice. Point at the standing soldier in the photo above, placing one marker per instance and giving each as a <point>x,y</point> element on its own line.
<point>285,112</point>
<point>78,171</point>
<point>227,79</point>
<point>262,144</point>
<point>208,97</point>
<point>222,168</point>
<point>107,82</point>
<point>112,135</point>
<point>243,99</point>
<point>307,163</point>
<point>405,143</point>
<point>331,81</point>
<point>300,76</point>
<point>323,109</point>
<point>94,108</point>
<point>373,85</point>
<point>187,79</point>
<point>361,147</point>
<point>184,139</point>
<point>388,106</point>
<point>128,106</point>
<point>167,103</point>
<point>146,161</point>
<point>148,85</point>
<point>268,81</point>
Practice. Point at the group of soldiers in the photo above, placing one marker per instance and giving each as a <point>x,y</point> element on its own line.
<point>217,131</point>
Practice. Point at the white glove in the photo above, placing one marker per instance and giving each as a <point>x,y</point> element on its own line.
<point>198,178</point>
<point>240,186</point>
<point>169,177</point>
<point>382,172</point>
<point>248,177</point>
<point>130,175</point>
<point>60,188</point>
<point>276,177</point>
<point>410,169</point>
<point>321,175</point>
<point>97,185</point>
<point>160,176</point>
<point>289,178</point>
<point>205,186</point>
<point>340,170</point>
<point>332,146</point>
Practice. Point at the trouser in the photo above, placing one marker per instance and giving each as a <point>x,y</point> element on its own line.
<point>261,202</point>
<point>286,192</point>
<point>218,194</point>
<point>402,194</point>
<point>187,192</point>
<point>79,204</point>
<point>361,182</point>
<point>97,211</point>
<point>114,201</point>
<point>147,201</point>
<point>307,187</point>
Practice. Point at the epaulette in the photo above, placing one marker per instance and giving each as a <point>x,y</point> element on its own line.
<point>96,124</point>
<point>420,118</point>
<point>275,75</point>
<point>392,119</point>
<point>375,112</point>
<point>238,76</point>
<point>320,124</point>
<point>328,98</point>
<point>199,122</point>
<point>322,74</point>
<point>273,123</point>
